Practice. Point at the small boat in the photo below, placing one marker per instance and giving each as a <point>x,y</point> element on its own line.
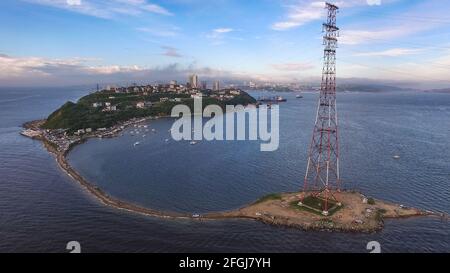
<point>193,142</point>
<point>396,157</point>
<point>153,130</point>
<point>281,99</point>
<point>136,143</point>
<point>299,96</point>
<point>166,140</point>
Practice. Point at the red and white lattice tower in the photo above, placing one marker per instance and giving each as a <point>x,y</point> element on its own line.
<point>322,175</point>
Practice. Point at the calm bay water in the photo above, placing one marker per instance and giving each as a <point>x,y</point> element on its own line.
<point>41,209</point>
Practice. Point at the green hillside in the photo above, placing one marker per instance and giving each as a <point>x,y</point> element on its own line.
<point>81,115</point>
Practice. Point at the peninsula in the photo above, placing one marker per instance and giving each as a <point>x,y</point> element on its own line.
<point>106,113</point>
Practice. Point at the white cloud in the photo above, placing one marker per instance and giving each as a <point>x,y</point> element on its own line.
<point>25,71</point>
<point>156,9</point>
<point>73,2</point>
<point>105,8</point>
<point>160,31</point>
<point>112,69</point>
<point>301,14</point>
<point>38,66</point>
<point>292,67</point>
<point>218,35</point>
<point>436,69</point>
<point>171,52</point>
<point>373,2</point>
<point>222,30</point>
<point>355,37</point>
<point>394,52</point>
<point>305,11</point>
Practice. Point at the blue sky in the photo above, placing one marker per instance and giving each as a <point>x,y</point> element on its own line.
<point>66,42</point>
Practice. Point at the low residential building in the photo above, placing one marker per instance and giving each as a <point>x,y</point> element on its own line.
<point>144,104</point>
<point>97,104</point>
<point>110,108</point>
<point>80,132</point>
<point>163,99</point>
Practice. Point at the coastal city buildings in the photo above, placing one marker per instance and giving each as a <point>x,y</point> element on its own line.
<point>121,99</point>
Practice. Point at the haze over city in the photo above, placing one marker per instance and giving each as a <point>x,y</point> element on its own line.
<point>76,42</point>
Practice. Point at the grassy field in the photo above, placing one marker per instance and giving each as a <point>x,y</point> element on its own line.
<point>273,196</point>
<point>316,205</point>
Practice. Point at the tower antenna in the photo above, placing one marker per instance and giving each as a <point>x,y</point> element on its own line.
<point>322,176</point>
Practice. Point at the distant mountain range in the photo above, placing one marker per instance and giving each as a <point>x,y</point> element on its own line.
<point>445,90</point>
<point>370,88</point>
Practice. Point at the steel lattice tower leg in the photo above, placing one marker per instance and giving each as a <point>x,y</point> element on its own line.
<point>322,175</point>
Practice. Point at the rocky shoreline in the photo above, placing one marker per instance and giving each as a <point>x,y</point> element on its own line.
<point>273,212</point>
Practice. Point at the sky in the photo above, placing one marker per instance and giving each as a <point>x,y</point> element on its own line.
<point>75,42</point>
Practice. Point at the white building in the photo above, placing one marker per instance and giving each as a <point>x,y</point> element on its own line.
<point>216,86</point>
<point>80,132</point>
<point>110,108</point>
<point>143,104</point>
<point>193,80</point>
